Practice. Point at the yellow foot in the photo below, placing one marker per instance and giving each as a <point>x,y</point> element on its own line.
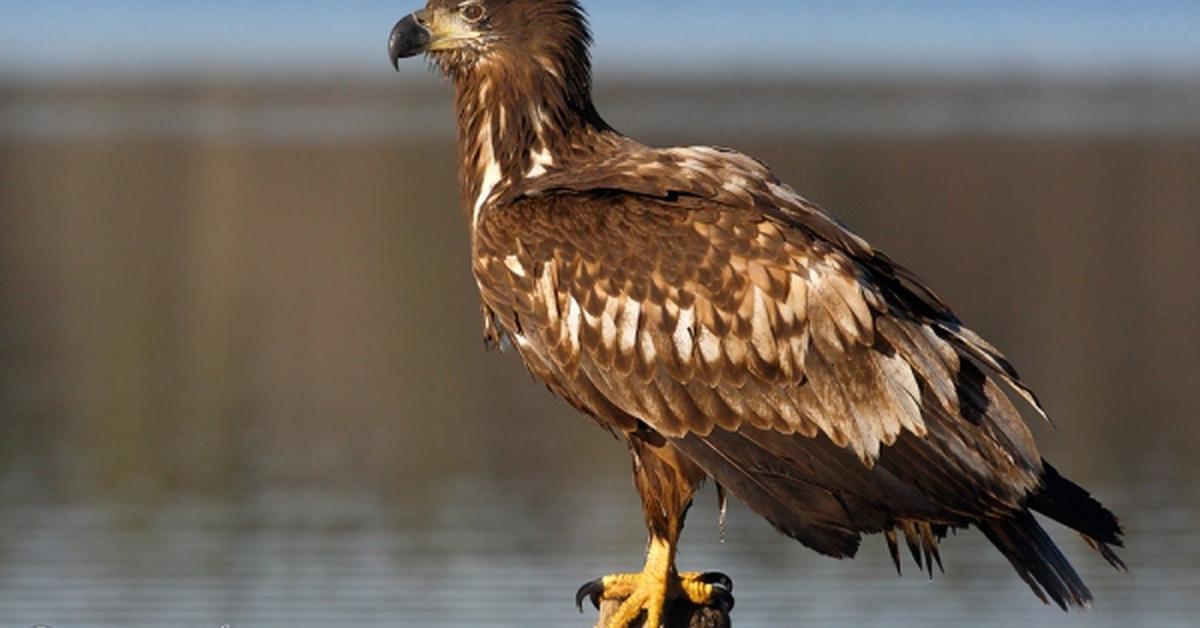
<point>647,595</point>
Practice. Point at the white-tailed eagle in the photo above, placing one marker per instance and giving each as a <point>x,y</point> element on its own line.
<point>726,328</point>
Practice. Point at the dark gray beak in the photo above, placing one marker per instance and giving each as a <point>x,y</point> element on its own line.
<point>409,38</point>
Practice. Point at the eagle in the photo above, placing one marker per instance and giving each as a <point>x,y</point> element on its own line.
<point>728,329</point>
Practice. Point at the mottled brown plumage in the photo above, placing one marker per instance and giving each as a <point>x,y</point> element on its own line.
<point>693,304</point>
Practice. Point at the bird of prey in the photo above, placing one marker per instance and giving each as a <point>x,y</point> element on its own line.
<point>727,328</point>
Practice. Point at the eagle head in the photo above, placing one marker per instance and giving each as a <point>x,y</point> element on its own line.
<point>462,36</point>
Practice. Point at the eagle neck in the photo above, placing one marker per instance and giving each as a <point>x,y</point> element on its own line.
<point>516,125</point>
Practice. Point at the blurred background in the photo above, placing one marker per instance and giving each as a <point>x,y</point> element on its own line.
<point>242,379</point>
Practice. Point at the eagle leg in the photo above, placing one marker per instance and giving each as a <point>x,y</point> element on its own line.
<point>654,597</point>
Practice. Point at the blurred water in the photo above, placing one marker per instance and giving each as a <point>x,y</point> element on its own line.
<point>479,557</point>
<point>242,380</point>
<point>812,107</point>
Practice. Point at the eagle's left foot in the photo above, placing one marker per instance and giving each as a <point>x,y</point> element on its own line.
<point>648,594</point>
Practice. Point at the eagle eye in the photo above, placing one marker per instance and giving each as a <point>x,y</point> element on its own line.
<point>472,12</point>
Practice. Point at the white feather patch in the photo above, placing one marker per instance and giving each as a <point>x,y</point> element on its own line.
<point>491,171</point>
<point>541,161</point>
<point>683,333</point>
<point>630,316</point>
<point>574,321</point>
<point>737,185</point>
<point>514,265</point>
<point>710,345</point>
<point>608,322</point>
<point>491,176</point>
<point>646,343</point>
<point>546,286</point>
<point>592,321</point>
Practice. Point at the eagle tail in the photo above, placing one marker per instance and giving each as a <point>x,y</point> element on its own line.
<point>1037,559</point>
<point>1069,504</point>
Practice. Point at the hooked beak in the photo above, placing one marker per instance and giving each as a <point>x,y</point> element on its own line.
<point>410,37</point>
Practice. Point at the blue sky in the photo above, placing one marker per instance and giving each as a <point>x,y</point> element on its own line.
<point>77,37</point>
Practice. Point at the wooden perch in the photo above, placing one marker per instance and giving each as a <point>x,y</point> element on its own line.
<point>679,615</point>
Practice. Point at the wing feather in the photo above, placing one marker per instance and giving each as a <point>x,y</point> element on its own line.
<point>724,303</point>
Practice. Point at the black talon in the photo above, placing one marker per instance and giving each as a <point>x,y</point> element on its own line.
<point>722,599</point>
<point>593,590</point>
<point>717,579</point>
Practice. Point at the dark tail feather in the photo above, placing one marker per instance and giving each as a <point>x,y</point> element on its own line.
<point>1069,504</point>
<point>1037,560</point>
